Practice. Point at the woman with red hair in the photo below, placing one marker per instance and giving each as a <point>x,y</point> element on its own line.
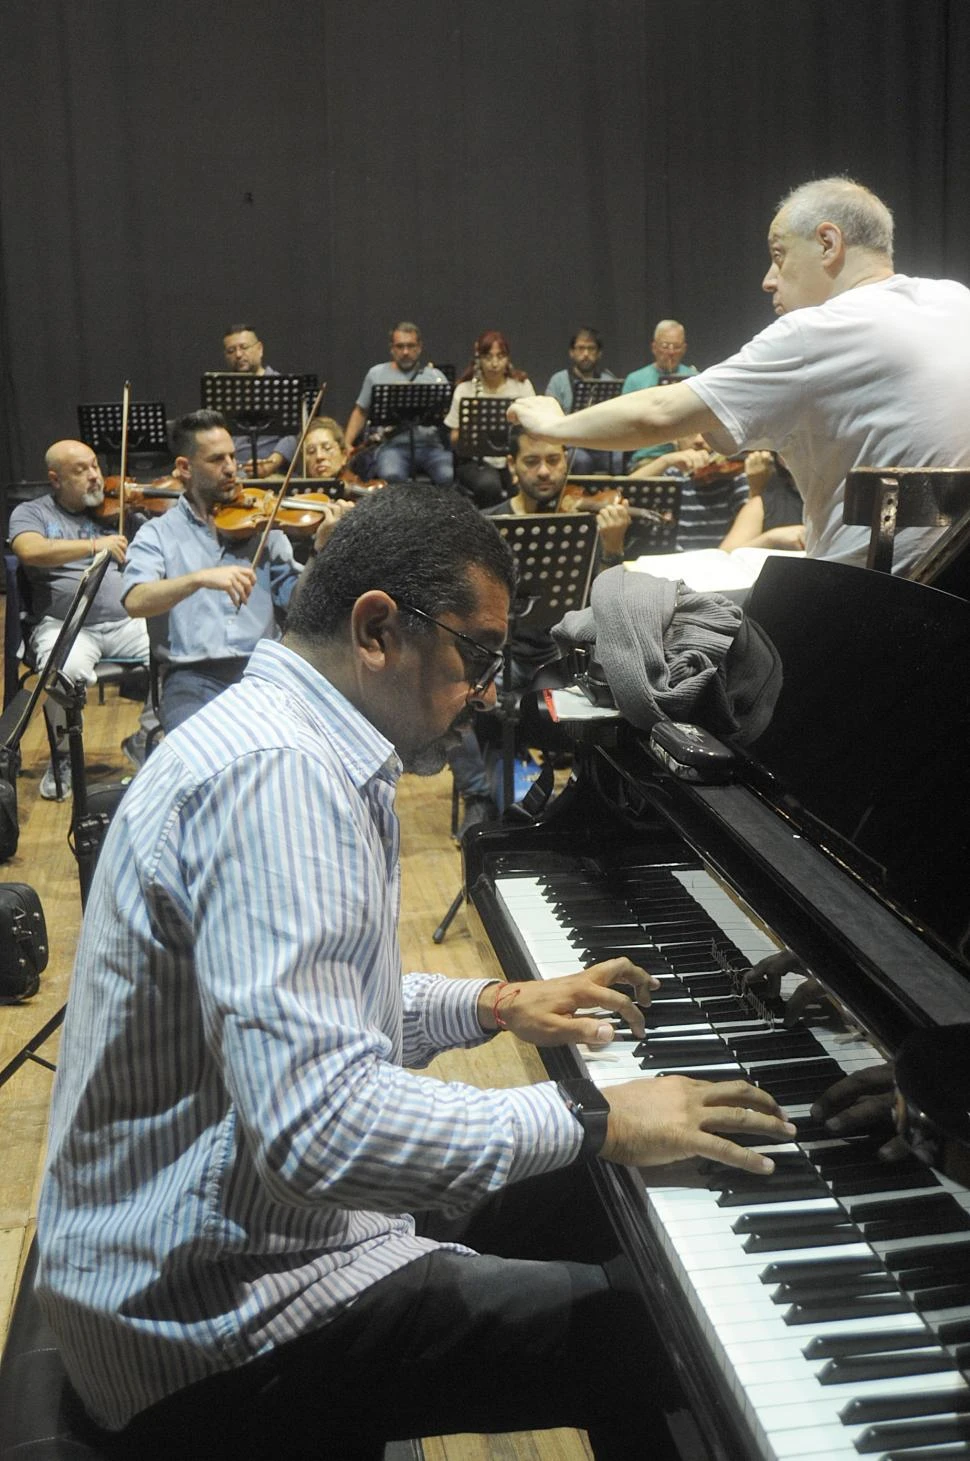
<point>486,479</point>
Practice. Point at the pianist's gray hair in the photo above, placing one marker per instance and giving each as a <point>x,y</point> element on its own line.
<point>865,221</point>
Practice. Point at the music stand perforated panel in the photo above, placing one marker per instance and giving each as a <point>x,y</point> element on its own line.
<point>483,426</point>
<point>255,403</point>
<point>591,392</point>
<point>554,561</point>
<point>660,495</point>
<point>423,404</point>
<point>99,426</point>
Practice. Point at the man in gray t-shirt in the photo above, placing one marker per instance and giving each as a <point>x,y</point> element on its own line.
<point>55,538</point>
<point>404,453</point>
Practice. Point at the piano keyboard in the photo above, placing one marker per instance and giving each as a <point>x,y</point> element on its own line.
<point>834,1295</point>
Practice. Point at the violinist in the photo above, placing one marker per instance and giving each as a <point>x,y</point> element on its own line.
<point>713,491</point>
<point>326,453</point>
<point>208,606</point>
<point>55,537</point>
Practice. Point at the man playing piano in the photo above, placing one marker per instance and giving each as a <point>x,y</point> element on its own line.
<point>239,1135</point>
<point>862,367</point>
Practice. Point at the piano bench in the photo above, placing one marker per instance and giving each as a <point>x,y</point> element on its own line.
<point>41,1418</point>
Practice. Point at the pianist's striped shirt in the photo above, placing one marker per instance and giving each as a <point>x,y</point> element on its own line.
<point>235,1143</point>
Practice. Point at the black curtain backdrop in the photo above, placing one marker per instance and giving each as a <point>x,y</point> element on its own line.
<point>322,168</point>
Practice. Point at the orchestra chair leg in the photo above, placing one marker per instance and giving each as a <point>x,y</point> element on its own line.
<point>439,934</point>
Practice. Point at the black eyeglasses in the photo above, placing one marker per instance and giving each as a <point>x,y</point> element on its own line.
<point>481,663</point>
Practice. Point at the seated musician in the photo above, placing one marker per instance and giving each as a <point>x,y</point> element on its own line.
<point>585,351</point>
<point>240,1136</point>
<point>772,515</point>
<point>209,607</point>
<point>325,451</point>
<point>486,480</point>
<point>668,348</point>
<point>55,537</point>
<point>713,492</point>
<point>401,453</point>
<point>243,350</point>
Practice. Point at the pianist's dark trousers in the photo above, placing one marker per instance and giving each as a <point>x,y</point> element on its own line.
<point>451,1343</point>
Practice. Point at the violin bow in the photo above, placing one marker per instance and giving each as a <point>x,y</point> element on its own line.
<point>125,403</point>
<point>297,456</point>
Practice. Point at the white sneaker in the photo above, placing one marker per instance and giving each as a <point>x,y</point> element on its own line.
<point>48,783</point>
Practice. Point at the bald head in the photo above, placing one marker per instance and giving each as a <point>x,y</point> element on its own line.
<point>863,220</point>
<point>74,475</point>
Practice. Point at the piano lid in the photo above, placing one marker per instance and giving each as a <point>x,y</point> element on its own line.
<point>868,748</point>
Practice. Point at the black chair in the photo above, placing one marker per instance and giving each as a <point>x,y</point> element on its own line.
<point>40,1416</point>
<point>885,499</point>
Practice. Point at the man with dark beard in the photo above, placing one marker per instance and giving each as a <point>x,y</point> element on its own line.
<point>237,1142</point>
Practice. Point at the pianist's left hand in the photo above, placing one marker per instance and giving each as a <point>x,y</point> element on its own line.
<point>544,1011</point>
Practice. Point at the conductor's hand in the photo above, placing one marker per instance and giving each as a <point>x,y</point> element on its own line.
<point>539,416</point>
<point>545,1011</point>
<point>235,579</point>
<point>862,1102</point>
<point>115,543</point>
<point>671,1117</point>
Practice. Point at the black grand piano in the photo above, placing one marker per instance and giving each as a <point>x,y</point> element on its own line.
<point>823,1312</point>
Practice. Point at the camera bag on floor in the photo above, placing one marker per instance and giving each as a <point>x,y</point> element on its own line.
<point>23,942</point>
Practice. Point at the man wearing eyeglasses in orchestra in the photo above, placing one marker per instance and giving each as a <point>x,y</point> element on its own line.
<point>243,350</point>
<point>400,453</point>
<point>240,1130</point>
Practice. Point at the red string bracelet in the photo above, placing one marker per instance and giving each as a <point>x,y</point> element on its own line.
<point>508,992</point>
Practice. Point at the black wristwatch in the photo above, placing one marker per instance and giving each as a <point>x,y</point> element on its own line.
<point>591,1109</point>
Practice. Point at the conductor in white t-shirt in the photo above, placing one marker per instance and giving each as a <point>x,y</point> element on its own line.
<point>862,367</point>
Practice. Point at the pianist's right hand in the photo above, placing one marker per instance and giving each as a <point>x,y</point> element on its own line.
<point>663,1120</point>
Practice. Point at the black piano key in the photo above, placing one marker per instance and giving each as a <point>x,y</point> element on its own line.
<point>815,1289</point>
<point>914,1280</point>
<point>776,1045</point>
<point>953,1331</point>
<point>669,1015</point>
<point>803,1193</point>
<point>850,1369</point>
<point>864,1306</point>
<point>946,1296</point>
<point>927,1204</point>
<point>954,1256</point>
<point>888,1180</point>
<point>833,1346</point>
<point>791,1242</point>
<point>813,1221</point>
<point>794,1270</point>
<point>826,1069</point>
<point>863,1410</point>
<point>887,1230</point>
<point>657,1060</point>
<point>934,1453</point>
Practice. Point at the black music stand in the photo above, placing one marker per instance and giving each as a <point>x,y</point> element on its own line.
<point>100,426</point>
<point>658,498</point>
<point>409,406</point>
<point>885,499</point>
<point>254,404</point>
<point>592,392</point>
<point>483,426</point>
<point>554,555</point>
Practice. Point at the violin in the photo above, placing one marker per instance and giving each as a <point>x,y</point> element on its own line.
<point>584,497</point>
<point>250,510</point>
<point>152,498</point>
<point>719,468</point>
